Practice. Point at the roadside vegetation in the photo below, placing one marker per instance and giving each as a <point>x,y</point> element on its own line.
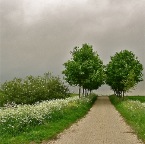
<point>33,89</point>
<point>136,98</point>
<point>37,108</point>
<point>133,111</point>
<point>41,121</point>
<point>85,69</point>
<point>123,72</point>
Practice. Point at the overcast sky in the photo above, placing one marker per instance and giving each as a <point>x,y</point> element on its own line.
<point>36,36</point>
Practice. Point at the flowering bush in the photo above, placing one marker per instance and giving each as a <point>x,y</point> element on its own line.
<point>33,89</point>
<point>19,118</point>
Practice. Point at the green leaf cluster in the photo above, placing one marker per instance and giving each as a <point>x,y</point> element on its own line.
<point>32,89</point>
<point>85,69</point>
<point>123,72</point>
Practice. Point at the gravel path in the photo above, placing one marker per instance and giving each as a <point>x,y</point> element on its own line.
<point>102,125</point>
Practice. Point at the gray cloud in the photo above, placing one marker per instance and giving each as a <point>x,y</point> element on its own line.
<point>37,42</point>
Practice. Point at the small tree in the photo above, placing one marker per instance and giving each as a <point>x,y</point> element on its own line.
<point>96,76</point>
<point>123,72</point>
<point>84,69</point>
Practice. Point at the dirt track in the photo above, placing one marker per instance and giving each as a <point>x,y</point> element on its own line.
<point>102,125</point>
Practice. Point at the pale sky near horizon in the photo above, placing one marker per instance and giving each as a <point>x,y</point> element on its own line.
<point>36,36</point>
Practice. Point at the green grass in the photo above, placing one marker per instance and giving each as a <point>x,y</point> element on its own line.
<point>73,94</point>
<point>49,130</point>
<point>139,98</point>
<point>133,113</point>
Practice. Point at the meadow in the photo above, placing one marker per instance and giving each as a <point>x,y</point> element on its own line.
<point>42,120</point>
<point>133,111</point>
<point>37,108</point>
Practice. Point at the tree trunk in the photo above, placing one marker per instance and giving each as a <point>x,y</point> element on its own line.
<point>115,93</point>
<point>90,91</point>
<point>83,91</point>
<point>79,91</point>
<point>86,92</point>
<point>123,95</point>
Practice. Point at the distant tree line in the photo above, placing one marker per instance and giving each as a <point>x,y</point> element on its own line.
<point>86,70</point>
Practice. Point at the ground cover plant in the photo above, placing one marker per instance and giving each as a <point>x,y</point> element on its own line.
<point>26,123</point>
<point>133,110</point>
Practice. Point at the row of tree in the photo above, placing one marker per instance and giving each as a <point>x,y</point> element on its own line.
<point>86,70</point>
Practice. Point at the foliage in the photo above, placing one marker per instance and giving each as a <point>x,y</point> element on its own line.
<point>33,89</point>
<point>123,72</point>
<point>134,113</point>
<point>73,94</point>
<point>26,123</point>
<point>3,98</point>
<point>85,69</point>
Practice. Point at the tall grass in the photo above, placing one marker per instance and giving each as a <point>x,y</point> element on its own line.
<point>26,123</point>
<point>133,110</point>
<point>134,98</point>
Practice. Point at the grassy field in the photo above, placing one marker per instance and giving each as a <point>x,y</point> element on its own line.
<point>74,94</point>
<point>133,111</point>
<point>62,116</point>
<point>134,98</point>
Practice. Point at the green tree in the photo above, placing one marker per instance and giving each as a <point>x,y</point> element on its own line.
<point>85,69</point>
<point>96,75</point>
<point>123,72</point>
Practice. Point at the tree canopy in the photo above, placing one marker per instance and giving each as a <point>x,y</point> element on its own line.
<point>85,69</point>
<point>123,72</point>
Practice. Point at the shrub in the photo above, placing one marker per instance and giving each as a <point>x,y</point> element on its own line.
<point>32,89</point>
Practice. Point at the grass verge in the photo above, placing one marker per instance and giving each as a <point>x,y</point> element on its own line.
<point>49,130</point>
<point>133,112</point>
<point>134,98</point>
